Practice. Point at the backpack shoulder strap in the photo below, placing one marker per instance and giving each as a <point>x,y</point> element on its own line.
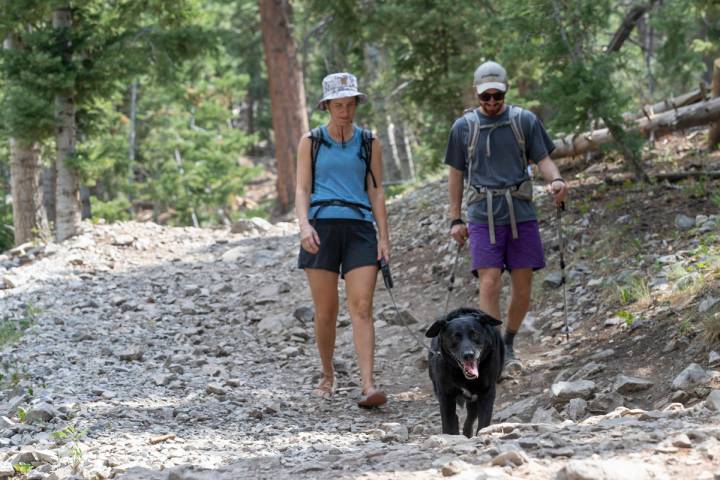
<point>316,140</point>
<point>516,125</point>
<point>473,122</point>
<point>366,143</point>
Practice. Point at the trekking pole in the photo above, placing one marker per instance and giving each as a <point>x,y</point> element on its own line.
<point>389,284</point>
<point>451,282</point>
<point>559,210</point>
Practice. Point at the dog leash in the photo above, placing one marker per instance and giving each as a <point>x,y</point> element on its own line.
<point>451,282</point>
<point>558,214</point>
<point>389,284</point>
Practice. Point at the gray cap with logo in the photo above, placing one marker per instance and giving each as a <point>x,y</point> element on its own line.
<point>490,75</point>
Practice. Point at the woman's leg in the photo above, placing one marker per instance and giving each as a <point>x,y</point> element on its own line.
<point>324,289</point>
<point>360,286</point>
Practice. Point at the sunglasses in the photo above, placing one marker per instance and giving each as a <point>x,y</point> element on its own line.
<point>497,96</point>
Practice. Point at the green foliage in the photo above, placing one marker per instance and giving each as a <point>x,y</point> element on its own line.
<point>636,290</point>
<point>12,329</point>
<point>114,210</point>
<point>71,437</point>
<point>203,92</point>
<point>687,49</point>
<point>711,326</point>
<point>23,468</point>
<point>396,190</point>
<point>628,317</point>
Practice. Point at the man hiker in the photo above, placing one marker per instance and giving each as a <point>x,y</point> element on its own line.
<point>492,146</point>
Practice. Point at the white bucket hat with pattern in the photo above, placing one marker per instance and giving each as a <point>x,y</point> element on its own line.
<point>339,85</point>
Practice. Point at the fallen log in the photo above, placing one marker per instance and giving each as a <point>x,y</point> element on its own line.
<point>677,176</point>
<point>683,100</point>
<point>700,113</point>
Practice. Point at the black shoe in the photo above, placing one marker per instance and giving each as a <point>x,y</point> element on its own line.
<point>509,354</point>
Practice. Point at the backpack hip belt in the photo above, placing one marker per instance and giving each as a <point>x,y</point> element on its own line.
<point>337,202</point>
<point>522,191</point>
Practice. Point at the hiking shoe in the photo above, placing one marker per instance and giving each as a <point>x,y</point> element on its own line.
<point>509,354</point>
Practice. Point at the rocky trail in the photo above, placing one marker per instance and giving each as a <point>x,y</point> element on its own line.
<point>136,351</point>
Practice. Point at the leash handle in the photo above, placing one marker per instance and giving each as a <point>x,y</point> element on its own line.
<point>387,276</point>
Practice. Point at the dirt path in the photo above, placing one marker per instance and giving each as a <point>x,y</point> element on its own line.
<point>160,353</point>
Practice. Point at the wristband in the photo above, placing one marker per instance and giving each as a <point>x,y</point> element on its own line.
<point>457,221</point>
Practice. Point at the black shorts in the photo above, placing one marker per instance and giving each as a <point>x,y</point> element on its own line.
<point>344,244</point>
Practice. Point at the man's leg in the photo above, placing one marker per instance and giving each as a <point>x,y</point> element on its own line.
<point>490,288</point>
<point>521,280</point>
<point>324,289</point>
<point>523,256</point>
<point>360,286</point>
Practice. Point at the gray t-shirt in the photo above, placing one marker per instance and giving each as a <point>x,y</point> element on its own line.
<point>504,167</point>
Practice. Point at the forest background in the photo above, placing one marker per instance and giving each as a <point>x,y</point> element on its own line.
<point>161,109</point>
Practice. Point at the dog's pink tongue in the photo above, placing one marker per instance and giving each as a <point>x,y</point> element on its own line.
<point>470,367</point>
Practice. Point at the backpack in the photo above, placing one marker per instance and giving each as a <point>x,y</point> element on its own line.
<point>474,132</point>
<point>476,193</point>
<point>317,139</point>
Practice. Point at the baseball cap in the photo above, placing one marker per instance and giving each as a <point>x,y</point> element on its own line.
<point>490,75</point>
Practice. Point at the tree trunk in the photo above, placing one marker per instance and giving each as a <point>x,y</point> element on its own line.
<point>132,134</point>
<point>646,34</point>
<point>287,94</point>
<point>627,26</point>
<point>48,183</point>
<point>690,116</point>
<point>29,220</point>
<point>714,133</point>
<point>392,158</point>
<point>68,184</point>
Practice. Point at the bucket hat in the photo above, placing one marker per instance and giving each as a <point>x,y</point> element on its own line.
<point>339,85</point>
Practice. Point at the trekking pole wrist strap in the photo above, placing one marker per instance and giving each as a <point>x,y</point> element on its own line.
<point>457,221</point>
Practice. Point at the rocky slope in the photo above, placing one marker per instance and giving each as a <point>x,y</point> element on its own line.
<point>145,352</point>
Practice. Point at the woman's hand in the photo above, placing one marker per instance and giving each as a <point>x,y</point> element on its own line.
<point>309,240</point>
<point>384,250</point>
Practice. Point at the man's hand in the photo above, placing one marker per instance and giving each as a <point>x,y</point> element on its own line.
<point>309,240</point>
<point>459,233</point>
<point>558,189</point>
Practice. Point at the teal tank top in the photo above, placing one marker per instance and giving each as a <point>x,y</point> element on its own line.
<point>340,175</point>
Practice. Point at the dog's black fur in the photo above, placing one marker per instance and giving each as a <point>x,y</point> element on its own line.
<point>464,336</point>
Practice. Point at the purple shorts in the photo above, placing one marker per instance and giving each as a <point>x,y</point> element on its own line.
<point>506,254</point>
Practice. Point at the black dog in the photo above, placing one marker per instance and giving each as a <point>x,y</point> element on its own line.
<point>465,364</point>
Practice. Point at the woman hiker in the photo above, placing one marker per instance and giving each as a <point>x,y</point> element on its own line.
<point>338,200</point>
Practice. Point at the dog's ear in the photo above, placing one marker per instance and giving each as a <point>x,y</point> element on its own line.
<point>436,328</point>
<point>486,319</point>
